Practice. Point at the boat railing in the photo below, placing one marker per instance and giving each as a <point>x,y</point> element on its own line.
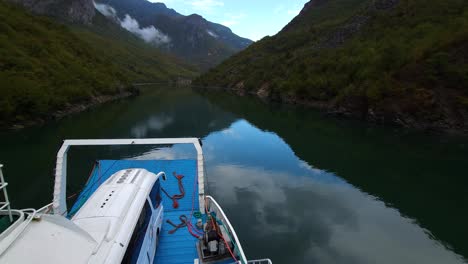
<point>6,202</point>
<point>257,261</point>
<point>213,207</point>
<point>59,202</point>
<point>260,261</point>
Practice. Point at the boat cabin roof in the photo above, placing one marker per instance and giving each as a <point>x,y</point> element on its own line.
<point>98,233</point>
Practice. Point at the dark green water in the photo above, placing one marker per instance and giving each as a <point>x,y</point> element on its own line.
<point>298,187</point>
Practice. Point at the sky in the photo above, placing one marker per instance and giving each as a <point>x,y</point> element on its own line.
<point>253,19</point>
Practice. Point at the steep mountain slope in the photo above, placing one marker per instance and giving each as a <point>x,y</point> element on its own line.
<point>76,11</point>
<point>46,67</point>
<point>391,61</point>
<point>191,37</point>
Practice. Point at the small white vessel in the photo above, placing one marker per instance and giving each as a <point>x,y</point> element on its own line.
<point>130,211</point>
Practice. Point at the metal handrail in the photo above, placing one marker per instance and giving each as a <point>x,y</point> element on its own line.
<point>256,261</point>
<point>222,216</point>
<point>3,186</point>
<point>260,261</point>
<point>213,206</point>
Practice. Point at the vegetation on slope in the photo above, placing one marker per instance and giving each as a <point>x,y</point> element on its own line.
<point>46,66</point>
<point>394,61</point>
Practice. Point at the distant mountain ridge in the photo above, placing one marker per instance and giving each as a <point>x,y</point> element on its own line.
<point>191,37</point>
<point>75,11</point>
<point>401,62</point>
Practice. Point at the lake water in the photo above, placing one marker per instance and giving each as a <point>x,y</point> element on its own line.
<point>298,187</point>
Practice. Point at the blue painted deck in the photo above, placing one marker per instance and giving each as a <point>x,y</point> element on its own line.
<point>180,246</point>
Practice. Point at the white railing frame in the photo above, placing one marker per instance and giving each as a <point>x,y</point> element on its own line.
<point>230,228</point>
<point>59,202</point>
<point>260,261</point>
<point>3,186</point>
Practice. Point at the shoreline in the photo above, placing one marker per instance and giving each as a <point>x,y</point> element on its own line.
<point>328,109</point>
<point>71,109</point>
<point>68,110</point>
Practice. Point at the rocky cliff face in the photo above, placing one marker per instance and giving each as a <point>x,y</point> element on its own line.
<point>75,11</point>
<point>191,37</point>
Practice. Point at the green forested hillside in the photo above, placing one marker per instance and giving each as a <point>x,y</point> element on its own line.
<point>394,61</point>
<point>46,66</point>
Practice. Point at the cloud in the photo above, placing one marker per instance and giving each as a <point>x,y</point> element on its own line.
<point>148,34</point>
<point>152,125</point>
<point>106,10</point>
<point>334,222</point>
<point>211,33</point>
<point>175,152</point>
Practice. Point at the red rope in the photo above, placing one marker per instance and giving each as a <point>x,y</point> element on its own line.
<point>175,204</point>
<point>176,197</point>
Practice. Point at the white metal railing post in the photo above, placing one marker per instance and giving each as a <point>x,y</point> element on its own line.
<point>5,193</point>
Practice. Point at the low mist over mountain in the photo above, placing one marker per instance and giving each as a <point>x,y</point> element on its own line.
<point>390,61</point>
<point>190,37</point>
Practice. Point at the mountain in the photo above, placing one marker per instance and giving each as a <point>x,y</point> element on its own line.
<point>190,37</point>
<point>401,62</point>
<point>47,67</point>
<point>76,11</point>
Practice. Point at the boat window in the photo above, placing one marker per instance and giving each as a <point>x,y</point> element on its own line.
<point>155,194</point>
<point>138,236</point>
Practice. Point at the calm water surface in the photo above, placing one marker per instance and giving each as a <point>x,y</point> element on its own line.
<point>298,187</point>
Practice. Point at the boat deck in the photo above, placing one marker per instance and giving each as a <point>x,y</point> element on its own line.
<point>179,247</point>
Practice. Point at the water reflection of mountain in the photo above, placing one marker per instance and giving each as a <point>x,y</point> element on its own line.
<point>29,154</point>
<point>422,176</point>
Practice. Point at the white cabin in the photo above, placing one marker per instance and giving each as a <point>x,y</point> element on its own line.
<point>124,213</point>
